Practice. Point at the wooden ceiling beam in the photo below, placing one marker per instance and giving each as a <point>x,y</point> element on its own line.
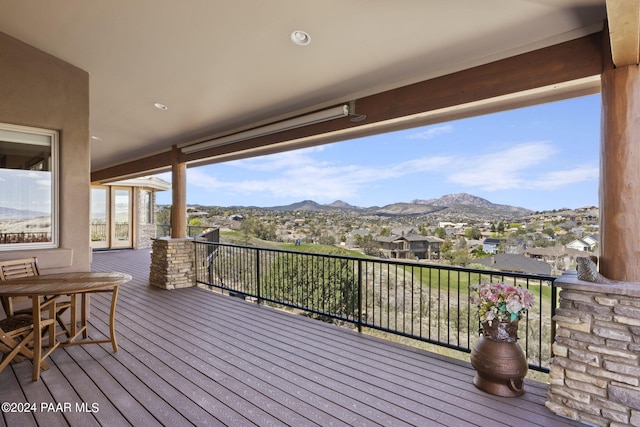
<point>565,62</point>
<point>623,18</point>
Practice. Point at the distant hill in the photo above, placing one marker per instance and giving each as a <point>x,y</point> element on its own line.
<point>305,205</point>
<point>457,199</point>
<point>342,205</point>
<point>454,206</point>
<point>10,214</point>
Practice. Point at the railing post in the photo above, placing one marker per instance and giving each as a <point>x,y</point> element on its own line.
<point>359,295</point>
<point>554,304</point>
<point>258,287</point>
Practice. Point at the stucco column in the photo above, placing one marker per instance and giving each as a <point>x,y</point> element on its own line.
<point>178,195</point>
<point>620,174</point>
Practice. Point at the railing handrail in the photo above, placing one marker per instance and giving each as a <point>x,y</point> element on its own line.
<point>409,263</point>
<point>166,229</point>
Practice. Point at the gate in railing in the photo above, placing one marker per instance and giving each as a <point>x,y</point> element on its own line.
<point>421,301</point>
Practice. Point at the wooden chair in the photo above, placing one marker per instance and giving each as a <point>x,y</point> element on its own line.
<point>27,267</point>
<point>17,334</point>
<point>14,269</point>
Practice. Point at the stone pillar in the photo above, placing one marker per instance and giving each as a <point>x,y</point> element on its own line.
<point>595,371</point>
<point>172,263</point>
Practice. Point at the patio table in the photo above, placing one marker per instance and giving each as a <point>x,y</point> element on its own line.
<point>72,284</point>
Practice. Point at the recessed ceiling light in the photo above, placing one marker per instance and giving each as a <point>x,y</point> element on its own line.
<point>160,106</point>
<point>301,38</point>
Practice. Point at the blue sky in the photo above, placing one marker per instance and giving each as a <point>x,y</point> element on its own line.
<point>542,157</point>
<point>25,190</point>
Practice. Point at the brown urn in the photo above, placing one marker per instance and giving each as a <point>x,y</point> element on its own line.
<point>500,363</point>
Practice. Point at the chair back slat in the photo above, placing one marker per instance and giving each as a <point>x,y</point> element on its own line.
<point>17,268</point>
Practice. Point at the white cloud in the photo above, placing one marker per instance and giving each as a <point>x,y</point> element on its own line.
<point>279,161</point>
<point>199,178</point>
<point>28,174</point>
<point>518,168</point>
<point>502,170</point>
<point>299,176</point>
<point>431,132</point>
<point>558,179</point>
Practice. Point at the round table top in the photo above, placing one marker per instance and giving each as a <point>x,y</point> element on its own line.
<point>62,283</point>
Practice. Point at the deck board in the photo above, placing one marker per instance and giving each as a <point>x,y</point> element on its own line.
<point>195,357</point>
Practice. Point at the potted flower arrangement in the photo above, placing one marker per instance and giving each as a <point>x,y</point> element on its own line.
<point>500,363</point>
<point>500,301</point>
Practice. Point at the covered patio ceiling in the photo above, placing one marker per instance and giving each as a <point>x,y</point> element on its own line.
<point>220,67</point>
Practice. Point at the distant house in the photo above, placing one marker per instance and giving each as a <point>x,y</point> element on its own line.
<point>560,258</point>
<point>491,245</point>
<point>404,230</point>
<point>586,244</point>
<point>516,264</point>
<point>411,246</point>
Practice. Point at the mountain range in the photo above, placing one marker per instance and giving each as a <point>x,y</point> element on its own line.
<point>11,214</point>
<point>448,206</point>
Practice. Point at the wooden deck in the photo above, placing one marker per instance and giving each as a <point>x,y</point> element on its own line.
<point>193,357</point>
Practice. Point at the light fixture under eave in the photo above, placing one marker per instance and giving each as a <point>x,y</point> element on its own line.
<point>301,38</point>
<point>294,123</point>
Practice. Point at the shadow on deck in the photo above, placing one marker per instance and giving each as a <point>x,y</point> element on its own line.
<point>193,357</point>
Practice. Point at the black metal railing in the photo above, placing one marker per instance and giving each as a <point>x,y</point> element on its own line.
<point>164,230</point>
<point>427,302</point>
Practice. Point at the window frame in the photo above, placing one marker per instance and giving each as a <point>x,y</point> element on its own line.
<point>54,139</point>
<point>147,206</point>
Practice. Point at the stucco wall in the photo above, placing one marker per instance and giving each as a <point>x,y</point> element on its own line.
<point>39,90</point>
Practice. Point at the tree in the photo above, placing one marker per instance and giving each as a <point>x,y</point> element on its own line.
<point>196,222</point>
<point>440,232</point>
<point>445,249</point>
<point>369,245</point>
<point>473,233</point>
<point>328,286</point>
<point>326,239</point>
<point>549,232</point>
<point>163,216</point>
<point>460,258</point>
<point>479,253</point>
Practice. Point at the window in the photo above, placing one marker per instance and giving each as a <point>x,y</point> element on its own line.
<point>147,207</point>
<point>28,188</point>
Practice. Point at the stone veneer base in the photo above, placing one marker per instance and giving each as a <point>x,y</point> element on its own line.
<point>172,263</point>
<point>595,371</point>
